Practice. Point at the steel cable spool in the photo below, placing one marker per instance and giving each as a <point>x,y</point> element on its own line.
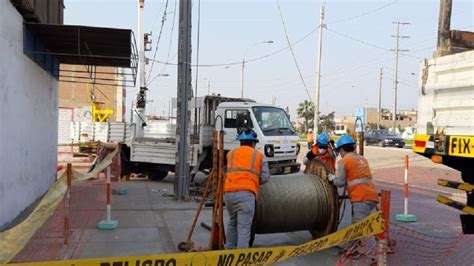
<point>304,201</point>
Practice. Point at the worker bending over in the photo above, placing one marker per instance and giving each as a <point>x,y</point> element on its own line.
<point>246,170</point>
<point>322,151</point>
<point>353,170</point>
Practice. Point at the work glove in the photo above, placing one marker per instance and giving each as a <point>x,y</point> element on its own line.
<point>331,177</point>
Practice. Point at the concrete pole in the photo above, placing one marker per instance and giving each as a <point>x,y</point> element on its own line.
<point>242,79</point>
<point>181,184</point>
<point>318,73</point>
<point>208,87</point>
<point>379,109</point>
<point>141,90</point>
<point>395,79</point>
<point>444,24</point>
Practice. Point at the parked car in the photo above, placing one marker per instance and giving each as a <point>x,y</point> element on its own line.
<point>384,138</point>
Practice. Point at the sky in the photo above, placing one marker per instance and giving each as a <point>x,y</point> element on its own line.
<point>356,44</point>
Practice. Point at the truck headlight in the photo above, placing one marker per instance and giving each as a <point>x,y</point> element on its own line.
<point>269,150</point>
<point>298,148</point>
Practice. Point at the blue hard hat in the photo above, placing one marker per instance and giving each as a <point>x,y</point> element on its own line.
<point>248,135</point>
<point>344,140</point>
<point>323,138</point>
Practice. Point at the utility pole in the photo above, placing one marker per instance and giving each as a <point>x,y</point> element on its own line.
<point>444,26</point>
<point>379,110</point>
<point>141,95</point>
<point>395,80</point>
<point>242,79</point>
<point>318,73</point>
<point>181,184</point>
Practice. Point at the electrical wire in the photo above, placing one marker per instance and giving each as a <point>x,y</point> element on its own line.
<point>282,49</point>
<point>363,14</point>
<point>163,20</point>
<point>291,49</point>
<point>369,44</point>
<point>197,48</point>
<point>163,68</point>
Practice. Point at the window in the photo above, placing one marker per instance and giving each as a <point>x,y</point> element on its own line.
<point>273,121</point>
<point>232,116</point>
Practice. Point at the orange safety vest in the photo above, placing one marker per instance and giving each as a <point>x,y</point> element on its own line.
<point>244,165</point>
<point>310,137</point>
<point>325,158</point>
<point>360,185</point>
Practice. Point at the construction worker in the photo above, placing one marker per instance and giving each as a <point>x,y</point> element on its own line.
<point>353,170</point>
<point>323,151</point>
<point>310,138</point>
<point>246,170</point>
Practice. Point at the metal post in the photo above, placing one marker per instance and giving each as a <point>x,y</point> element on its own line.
<point>108,223</point>
<point>379,110</point>
<point>242,79</point>
<point>405,217</point>
<point>318,73</point>
<point>395,80</point>
<point>181,185</point>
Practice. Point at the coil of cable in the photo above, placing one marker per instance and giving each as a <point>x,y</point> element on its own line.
<point>303,201</point>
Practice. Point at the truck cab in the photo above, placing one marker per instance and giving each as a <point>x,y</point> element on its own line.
<point>278,140</point>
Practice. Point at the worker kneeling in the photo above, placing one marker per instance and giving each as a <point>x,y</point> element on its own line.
<point>246,170</point>
<point>353,170</point>
<point>322,151</point>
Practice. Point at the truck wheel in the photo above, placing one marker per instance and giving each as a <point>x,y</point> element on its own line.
<point>157,175</point>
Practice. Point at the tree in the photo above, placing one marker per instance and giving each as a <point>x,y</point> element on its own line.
<point>305,111</point>
<point>326,122</point>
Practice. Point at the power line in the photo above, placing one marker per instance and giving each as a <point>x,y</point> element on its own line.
<point>163,20</point>
<point>163,68</point>
<point>370,44</point>
<point>363,14</point>
<point>291,49</point>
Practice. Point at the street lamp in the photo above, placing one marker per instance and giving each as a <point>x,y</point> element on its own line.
<point>156,76</point>
<point>243,65</point>
<point>212,75</point>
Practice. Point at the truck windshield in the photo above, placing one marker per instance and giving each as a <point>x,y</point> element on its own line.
<point>273,121</point>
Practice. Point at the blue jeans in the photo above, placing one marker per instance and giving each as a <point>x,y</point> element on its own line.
<point>241,208</point>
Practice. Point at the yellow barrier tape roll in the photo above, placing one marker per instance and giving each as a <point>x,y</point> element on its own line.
<point>370,226</point>
<point>14,239</point>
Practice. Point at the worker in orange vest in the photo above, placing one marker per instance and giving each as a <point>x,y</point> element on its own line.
<point>247,169</point>
<point>310,138</point>
<point>323,151</point>
<point>354,172</point>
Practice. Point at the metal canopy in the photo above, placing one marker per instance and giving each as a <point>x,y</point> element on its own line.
<point>81,45</point>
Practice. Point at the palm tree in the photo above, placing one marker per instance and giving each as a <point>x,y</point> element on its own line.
<point>305,110</point>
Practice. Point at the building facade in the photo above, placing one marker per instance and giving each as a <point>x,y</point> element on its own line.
<point>76,91</point>
<point>28,109</point>
<point>405,118</point>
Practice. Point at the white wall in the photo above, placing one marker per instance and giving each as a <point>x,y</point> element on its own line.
<point>28,121</point>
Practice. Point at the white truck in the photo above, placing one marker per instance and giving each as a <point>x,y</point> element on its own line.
<point>445,126</point>
<point>155,153</point>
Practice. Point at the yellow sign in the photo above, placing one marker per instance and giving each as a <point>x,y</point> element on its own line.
<point>370,226</point>
<point>462,146</point>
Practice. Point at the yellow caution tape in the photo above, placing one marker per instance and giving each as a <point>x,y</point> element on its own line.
<point>370,226</point>
<point>14,239</point>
